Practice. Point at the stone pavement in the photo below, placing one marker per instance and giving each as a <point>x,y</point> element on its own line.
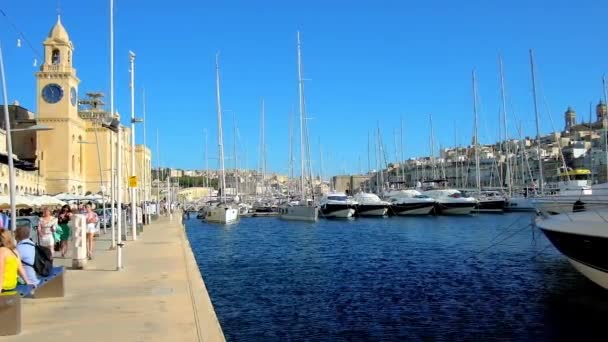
<point>159,295</point>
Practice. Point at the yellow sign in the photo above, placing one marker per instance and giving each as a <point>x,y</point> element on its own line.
<point>133,182</point>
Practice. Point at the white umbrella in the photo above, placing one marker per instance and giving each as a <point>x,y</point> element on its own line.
<point>46,201</point>
<point>21,202</point>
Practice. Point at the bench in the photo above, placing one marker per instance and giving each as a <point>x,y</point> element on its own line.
<point>10,305</point>
<point>49,287</point>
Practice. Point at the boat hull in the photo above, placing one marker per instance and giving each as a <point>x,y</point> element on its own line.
<point>222,215</point>
<point>586,252</point>
<point>519,204</point>
<point>300,213</point>
<point>372,209</point>
<point>406,209</point>
<point>490,206</point>
<point>454,208</point>
<point>337,211</point>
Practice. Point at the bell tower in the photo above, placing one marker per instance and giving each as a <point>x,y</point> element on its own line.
<point>56,81</point>
<point>60,150</point>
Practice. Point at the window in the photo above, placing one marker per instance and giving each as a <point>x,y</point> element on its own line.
<point>55,57</point>
<point>73,163</point>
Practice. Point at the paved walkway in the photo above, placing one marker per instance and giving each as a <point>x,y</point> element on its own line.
<point>158,296</point>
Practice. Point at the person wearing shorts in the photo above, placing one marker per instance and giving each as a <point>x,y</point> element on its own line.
<point>91,221</point>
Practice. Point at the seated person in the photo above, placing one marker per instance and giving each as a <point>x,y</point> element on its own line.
<point>25,248</point>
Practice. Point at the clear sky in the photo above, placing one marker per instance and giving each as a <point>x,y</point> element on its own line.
<point>368,63</point>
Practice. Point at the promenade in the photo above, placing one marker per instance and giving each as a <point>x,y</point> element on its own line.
<point>158,296</point>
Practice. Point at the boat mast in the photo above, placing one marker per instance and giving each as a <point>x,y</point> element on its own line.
<point>290,163</point>
<point>540,160</point>
<point>605,124</point>
<point>301,105</point>
<point>504,126</point>
<point>220,137</point>
<point>432,146</point>
<point>263,148</point>
<point>369,165</point>
<point>401,154</point>
<point>236,159</point>
<point>475,136</point>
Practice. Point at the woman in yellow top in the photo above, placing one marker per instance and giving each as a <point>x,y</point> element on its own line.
<point>10,264</point>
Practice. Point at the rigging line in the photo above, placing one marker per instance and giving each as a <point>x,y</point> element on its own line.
<point>19,33</point>
<point>499,242</point>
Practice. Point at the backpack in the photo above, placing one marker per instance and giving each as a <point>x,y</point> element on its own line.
<point>43,260</point>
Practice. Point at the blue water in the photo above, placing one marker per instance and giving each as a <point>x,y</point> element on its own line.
<point>481,277</point>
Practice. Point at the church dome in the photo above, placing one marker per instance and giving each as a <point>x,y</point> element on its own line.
<point>59,32</point>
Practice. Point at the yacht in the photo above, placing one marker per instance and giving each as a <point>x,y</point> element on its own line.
<point>572,193</point>
<point>337,205</point>
<point>519,203</point>
<point>451,202</point>
<point>489,201</point>
<point>223,212</point>
<point>298,211</point>
<point>370,204</point>
<point>305,209</point>
<point>410,202</point>
<point>582,237</point>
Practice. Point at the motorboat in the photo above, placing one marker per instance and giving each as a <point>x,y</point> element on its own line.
<point>370,204</point>
<point>451,201</point>
<point>519,203</point>
<point>337,205</point>
<point>489,201</point>
<point>409,202</point>
<point>582,237</point>
<point>572,193</point>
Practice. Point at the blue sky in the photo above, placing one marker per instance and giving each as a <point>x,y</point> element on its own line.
<point>368,63</point>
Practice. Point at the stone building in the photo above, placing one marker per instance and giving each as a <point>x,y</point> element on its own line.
<point>75,156</point>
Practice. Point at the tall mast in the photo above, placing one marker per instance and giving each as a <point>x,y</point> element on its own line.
<point>475,136</point>
<point>321,160</point>
<point>369,165</point>
<point>220,137</point>
<point>263,147</point>
<point>605,124</point>
<point>401,153</point>
<point>432,146</point>
<point>206,161</point>
<point>540,160</point>
<point>504,125</point>
<point>301,105</point>
<point>290,161</point>
<point>396,152</point>
<point>236,160</point>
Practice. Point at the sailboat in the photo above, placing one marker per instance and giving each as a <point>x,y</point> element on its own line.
<point>222,212</point>
<point>487,201</point>
<point>305,209</point>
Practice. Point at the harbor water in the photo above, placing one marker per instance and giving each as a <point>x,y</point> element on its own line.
<point>482,277</point>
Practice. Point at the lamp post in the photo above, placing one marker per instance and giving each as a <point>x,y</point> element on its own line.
<point>133,190</point>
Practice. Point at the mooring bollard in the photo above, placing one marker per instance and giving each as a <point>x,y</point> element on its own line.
<point>78,225</point>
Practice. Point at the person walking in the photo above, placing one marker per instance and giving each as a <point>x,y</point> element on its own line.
<point>91,220</point>
<point>10,265</point>
<point>63,220</point>
<point>46,227</point>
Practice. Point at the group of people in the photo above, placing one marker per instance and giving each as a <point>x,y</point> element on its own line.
<point>18,252</point>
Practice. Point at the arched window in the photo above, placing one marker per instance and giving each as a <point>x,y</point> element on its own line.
<point>73,163</point>
<point>55,57</point>
<point>80,155</point>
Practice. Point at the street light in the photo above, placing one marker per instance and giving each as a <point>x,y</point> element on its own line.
<point>9,144</point>
<point>133,122</point>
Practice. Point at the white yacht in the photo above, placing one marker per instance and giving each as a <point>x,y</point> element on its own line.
<point>451,201</point>
<point>305,209</point>
<point>489,201</point>
<point>410,202</point>
<point>582,237</point>
<point>337,205</point>
<point>519,203</point>
<point>223,212</point>
<point>572,193</point>
<point>370,204</point>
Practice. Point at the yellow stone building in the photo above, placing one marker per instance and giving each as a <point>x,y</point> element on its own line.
<point>75,156</point>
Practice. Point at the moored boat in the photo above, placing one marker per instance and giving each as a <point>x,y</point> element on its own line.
<point>369,204</point>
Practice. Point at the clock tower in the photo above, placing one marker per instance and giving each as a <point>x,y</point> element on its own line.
<point>61,149</point>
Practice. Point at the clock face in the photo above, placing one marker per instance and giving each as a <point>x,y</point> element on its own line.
<point>73,96</point>
<point>52,93</point>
